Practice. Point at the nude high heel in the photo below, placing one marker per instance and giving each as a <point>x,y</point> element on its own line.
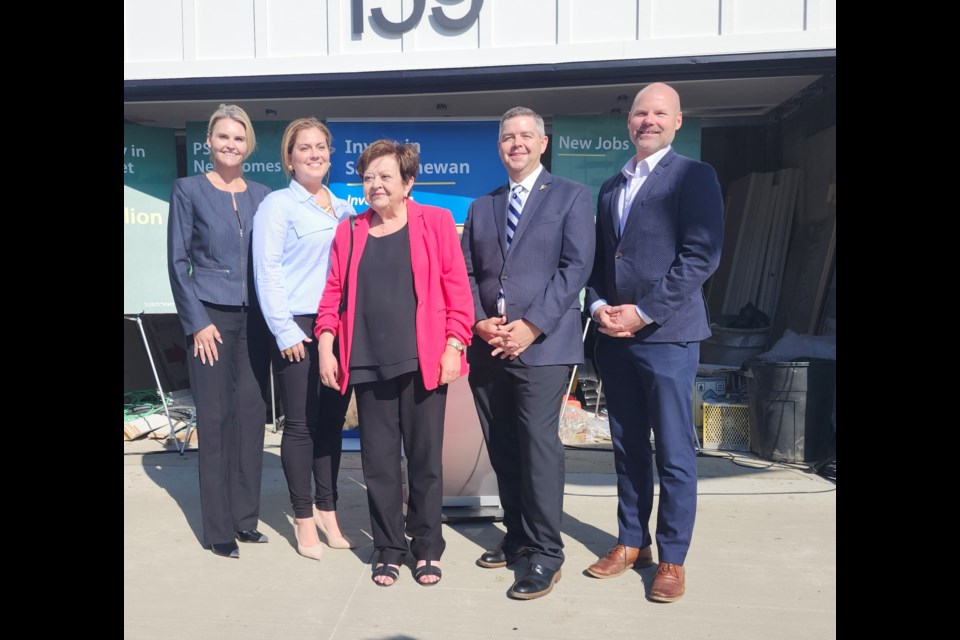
<point>314,553</point>
<point>341,542</point>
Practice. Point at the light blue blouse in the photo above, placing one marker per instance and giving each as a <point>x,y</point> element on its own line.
<point>291,256</point>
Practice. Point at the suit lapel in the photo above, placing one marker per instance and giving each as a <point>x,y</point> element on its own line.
<point>610,206</point>
<point>655,175</point>
<point>500,216</point>
<point>417,242</point>
<point>532,204</point>
<point>361,226</point>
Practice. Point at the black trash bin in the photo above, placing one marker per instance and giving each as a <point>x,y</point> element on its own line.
<point>791,407</point>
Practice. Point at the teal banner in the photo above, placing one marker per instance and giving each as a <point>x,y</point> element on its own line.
<point>149,169</point>
<point>263,166</point>
<point>590,149</point>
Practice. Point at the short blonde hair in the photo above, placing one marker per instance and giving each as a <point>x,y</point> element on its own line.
<point>234,112</point>
<point>290,139</point>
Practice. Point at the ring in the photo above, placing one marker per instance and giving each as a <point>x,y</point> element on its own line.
<point>199,346</point>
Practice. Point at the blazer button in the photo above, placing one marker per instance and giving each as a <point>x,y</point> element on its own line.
<point>618,255</point>
<point>504,277</point>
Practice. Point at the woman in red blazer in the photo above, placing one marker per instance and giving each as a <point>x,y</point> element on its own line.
<point>399,300</point>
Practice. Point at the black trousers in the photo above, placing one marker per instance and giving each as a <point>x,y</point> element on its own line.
<point>391,411</point>
<point>231,415</point>
<point>312,429</point>
<point>519,410</point>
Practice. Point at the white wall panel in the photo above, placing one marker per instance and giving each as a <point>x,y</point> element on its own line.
<point>685,18</point>
<point>196,38</point>
<point>295,28</point>
<point>224,29</point>
<point>828,14</point>
<point>602,20</point>
<point>526,23</point>
<point>153,31</point>
<point>767,16</point>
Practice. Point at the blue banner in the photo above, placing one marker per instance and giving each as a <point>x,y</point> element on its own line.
<point>459,160</point>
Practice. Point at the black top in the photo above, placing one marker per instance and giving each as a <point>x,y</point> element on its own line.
<point>385,321</point>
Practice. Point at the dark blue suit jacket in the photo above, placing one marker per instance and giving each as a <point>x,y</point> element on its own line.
<point>547,265</point>
<point>670,246</point>
<point>208,257</point>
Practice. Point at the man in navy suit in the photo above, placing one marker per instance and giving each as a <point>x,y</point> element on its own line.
<point>529,250</point>
<point>659,232</point>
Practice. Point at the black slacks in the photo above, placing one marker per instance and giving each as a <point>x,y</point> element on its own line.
<point>312,429</point>
<point>390,411</point>
<point>519,410</point>
<point>231,415</point>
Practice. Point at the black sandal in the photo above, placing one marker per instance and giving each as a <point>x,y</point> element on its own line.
<point>427,570</point>
<point>388,571</point>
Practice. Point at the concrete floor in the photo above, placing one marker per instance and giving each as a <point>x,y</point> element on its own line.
<point>763,564</point>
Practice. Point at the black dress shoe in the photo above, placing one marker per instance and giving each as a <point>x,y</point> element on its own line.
<point>251,535</point>
<point>500,556</point>
<point>227,549</point>
<point>537,582</point>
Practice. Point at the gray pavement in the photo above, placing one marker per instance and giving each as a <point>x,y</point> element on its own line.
<point>762,565</point>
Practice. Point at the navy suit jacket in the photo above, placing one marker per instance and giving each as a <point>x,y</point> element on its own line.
<point>208,257</point>
<point>669,247</point>
<point>542,273</point>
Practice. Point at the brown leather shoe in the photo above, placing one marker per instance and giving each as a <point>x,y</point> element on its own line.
<point>619,559</point>
<point>669,585</point>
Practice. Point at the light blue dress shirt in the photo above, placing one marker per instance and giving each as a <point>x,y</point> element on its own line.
<point>291,256</point>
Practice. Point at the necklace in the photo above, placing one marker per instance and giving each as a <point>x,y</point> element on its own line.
<point>325,207</point>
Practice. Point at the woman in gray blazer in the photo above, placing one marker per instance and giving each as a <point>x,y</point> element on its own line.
<point>208,255</point>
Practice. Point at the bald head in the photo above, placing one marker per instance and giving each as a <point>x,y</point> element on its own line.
<point>654,118</point>
<point>662,91</point>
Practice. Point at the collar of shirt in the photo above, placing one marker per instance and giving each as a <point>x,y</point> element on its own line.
<point>528,182</point>
<point>631,171</point>
<point>301,194</point>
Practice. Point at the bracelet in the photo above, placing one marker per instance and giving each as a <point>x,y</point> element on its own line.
<point>456,344</point>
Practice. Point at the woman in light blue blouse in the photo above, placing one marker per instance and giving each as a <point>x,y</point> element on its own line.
<point>291,258</point>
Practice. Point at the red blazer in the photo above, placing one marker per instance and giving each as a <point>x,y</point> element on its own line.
<point>444,300</point>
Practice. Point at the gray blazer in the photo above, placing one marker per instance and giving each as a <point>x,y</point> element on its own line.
<point>208,248</point>
<point>542,274</point>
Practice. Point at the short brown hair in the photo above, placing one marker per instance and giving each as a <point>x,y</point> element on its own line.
<point>406,155</point>
<point>290,139</point>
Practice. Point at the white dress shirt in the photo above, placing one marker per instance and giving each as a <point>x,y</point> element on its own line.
<point>527,184</point>
<point>636,174</point>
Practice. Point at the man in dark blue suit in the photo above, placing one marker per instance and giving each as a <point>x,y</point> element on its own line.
<point>529,250</point>
<point>659,232</point>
